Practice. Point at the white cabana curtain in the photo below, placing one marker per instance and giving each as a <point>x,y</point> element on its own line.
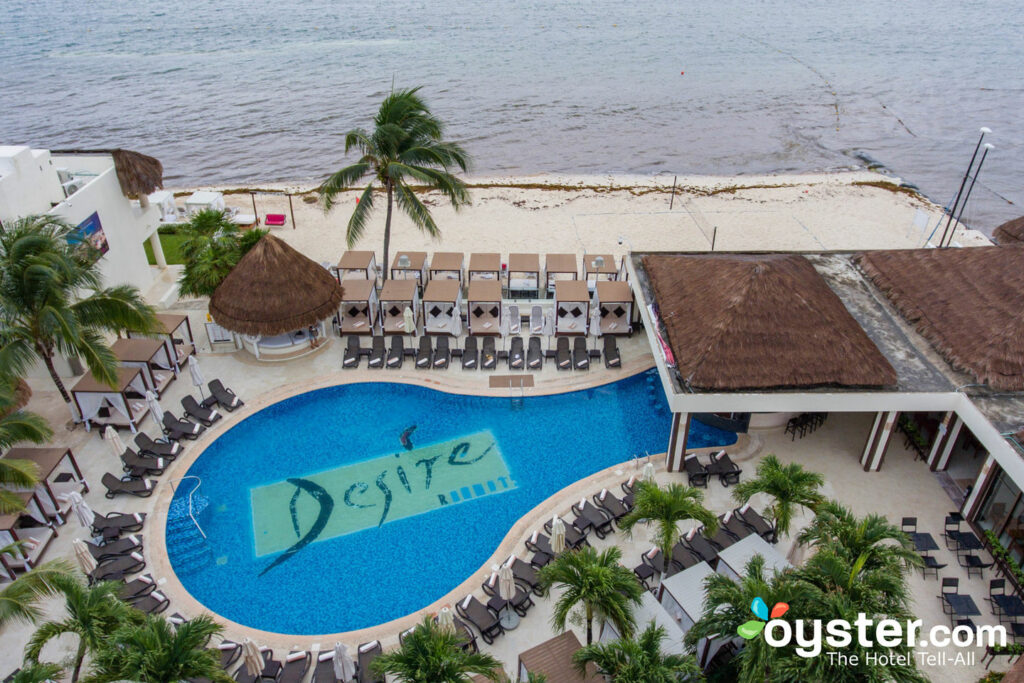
<point>90,403</point>
<point>144,367</point>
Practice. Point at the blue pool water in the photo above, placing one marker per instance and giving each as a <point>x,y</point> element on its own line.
<point>379,573</point>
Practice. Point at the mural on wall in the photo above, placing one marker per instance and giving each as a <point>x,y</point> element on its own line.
<point>89,236</point>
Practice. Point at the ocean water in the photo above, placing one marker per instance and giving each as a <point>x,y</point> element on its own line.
<point>231,91</point>
<point>386,546</point>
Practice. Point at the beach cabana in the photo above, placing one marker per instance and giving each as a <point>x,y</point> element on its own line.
<point>176,332</point>
<point>553,659</point>
<point>395,297</point>
<point>276,300</point>
<point>204,200</point>
<point>442,301</point>
<point>59,476</point>
<point>149,355</point>
<point>558,267</point>
<point>484,267</point>
<point>733,560</point>
<point>599,268</point>
<point>682,596</point>
<point>484,305</point>
<point>122,405</point>
<point>523,276</point>
<point>446,265</point>
<point>572,307</point>
<point>410,265</point>
<point>357,265</point>
<point>651,610</point>
<point>29,526</point>
<point>615,303</point>
<point>359,308</point>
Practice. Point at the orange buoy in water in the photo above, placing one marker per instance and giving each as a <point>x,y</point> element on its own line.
<point>681,73</point>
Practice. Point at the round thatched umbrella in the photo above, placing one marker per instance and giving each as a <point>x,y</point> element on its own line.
<point>274,289</point>
<point>1010,232</point>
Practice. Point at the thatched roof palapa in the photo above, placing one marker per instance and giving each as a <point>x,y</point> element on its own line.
<point>274,289</point>
<point>1010,232</point>
<point>965,302</point>
<point>756,322</point>
<point>137,173</point>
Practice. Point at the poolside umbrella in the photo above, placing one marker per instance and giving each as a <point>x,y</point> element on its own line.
<point>507,591</point>
<point>557,535</point>
<point>252,657</point>
<point>344,667</point>
<point>648,473</point>
<point>456,323</point>
<point>446,620</point>
<point>154,407</point>
<point>116,445</point>
<point>595,323</point>
<point>197,374</point>
<point>85,560</point>
<point>81,509</point>
<point>410,322</point>
<point>548,329</point>
<point>504,328</point>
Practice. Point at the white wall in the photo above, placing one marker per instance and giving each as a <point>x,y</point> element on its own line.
<point>28,182</point>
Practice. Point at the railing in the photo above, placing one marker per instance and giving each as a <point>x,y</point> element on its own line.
<point>194,489</point>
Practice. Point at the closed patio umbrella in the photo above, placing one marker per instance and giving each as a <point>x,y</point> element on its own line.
<point>344,667</point>
<point>456,323</point>
<point>503,329</point>
<point>154,407</point>
<point>410,321</point>
<point>114,441</point>
<point>557,535</point>
<point>81,509</point>
<point>252,657</point>
<point>507,591</point>
<point>197,374</point>
<point>595,324</point>
<point>85,560</point>
<point>548,329</point>
<point>648,473</point>
<point>446,620</point>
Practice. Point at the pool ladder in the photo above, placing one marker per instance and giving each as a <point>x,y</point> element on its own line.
<point>190,493</point>
<point>516,400</point>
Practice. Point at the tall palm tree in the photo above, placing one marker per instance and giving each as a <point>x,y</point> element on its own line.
<point>869,543</point>
<point>93,614</point>
<point>19,599</point>
<point>38,672</point>
<point>727,606</point>
<point>431,654</point>
<point>52,301</point>
<point>638,660</point>
<point>17,426</point>
<point>405,146</point>
<point>791,487</point>
<point>666,507</point>
<point>211,244</point>
<point>153,651</point>
<point>596,582</point>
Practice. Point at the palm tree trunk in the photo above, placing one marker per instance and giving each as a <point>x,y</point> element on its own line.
<point>79,658</point>
<point>590,624</point>
<point>48,362</point>
<point>387,231</point>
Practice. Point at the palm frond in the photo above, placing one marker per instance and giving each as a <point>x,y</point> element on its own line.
<point>415,210</point>
<point>340,181</point>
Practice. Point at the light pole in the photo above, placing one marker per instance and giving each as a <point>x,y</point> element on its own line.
<point>984,131</point>
<point>967,196</point>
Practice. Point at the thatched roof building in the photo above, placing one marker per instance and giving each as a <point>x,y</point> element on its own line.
<point>1010,232</point>
<point>274,289</point>
<point>966,302</point>
<point>137,173</point>
<point>760,321</point>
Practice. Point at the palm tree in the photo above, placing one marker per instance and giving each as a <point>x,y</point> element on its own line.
<point>52,301</point>
<point>595,580</point>
<point>153,651</point>
<point>17,426</point>
<point>38,672</point>
<point>666,508</point>
<point>868,543</point>
<point>211,244</point>
<point>431,654</point>
<point>19,599</point>
<point>791,486</point>
<point>638,660</point>
<point>727,606</point>
<point>405,145</point>
<point>93,614</point>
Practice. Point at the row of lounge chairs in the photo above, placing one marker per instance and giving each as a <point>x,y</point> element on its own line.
<point>719,465</point>
<point>297,663</point>
<point>472,357</point>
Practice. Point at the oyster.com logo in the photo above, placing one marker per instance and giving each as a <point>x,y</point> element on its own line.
<point>751,629</point>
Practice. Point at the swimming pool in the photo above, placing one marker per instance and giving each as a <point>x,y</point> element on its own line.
<point>387,518</point>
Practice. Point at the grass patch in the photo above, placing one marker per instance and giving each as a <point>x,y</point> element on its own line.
<point>169,242</point>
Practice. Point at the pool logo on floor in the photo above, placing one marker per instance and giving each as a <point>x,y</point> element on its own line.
<point>289,515</point>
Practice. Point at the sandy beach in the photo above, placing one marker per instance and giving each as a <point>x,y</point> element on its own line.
<point>553,213</point>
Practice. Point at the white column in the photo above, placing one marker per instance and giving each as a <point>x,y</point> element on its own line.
<point>943,461</point>
<point>881,433</point>
<point>158,249</point>
<point>677,442</point>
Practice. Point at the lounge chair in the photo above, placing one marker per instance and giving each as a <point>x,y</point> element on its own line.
<point>574,537</point>
<point>755,521</point>
<point>222,396</point>
<point>696,473</point>
<point>515,354</point>
<point>470,354</point>
<point>607,501</point>
<point>534,354</point>
<point>159,449</point>
<point>192,409</point>
<point>177,428</point>
<point>137,587</point>
<point>588,515</point>
<point>323,672</point>
<point>296,664</point>
<point>728,472</point>
<point>734,525</point>
<point>366,653</point>
<point>722,538</point>
<point>540,546</point>
<point>118,567</point>
<point>563,358</point>
<point>629,488</point>
<point>700,546</point>
<point>490,356</point>
<point>536,320</point>
<point>482,617</point>
<point>443,352</point>
<point>612,359</point>
<point>141,488</point>
<point>116,523</point>
<point>515,321</point>
<point>468,637</point>
<point>580,355</point>
<point>425,354</point>
<point>122,546</point>
<point>521,601</point>
<point>352,353</point>
<point>139,466</point>
<point>377,352</point>
<point>682,557</point>
<point>397,352</point>
<point>271,669</point>
<point>526,575</point>
<point>153,603</point>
